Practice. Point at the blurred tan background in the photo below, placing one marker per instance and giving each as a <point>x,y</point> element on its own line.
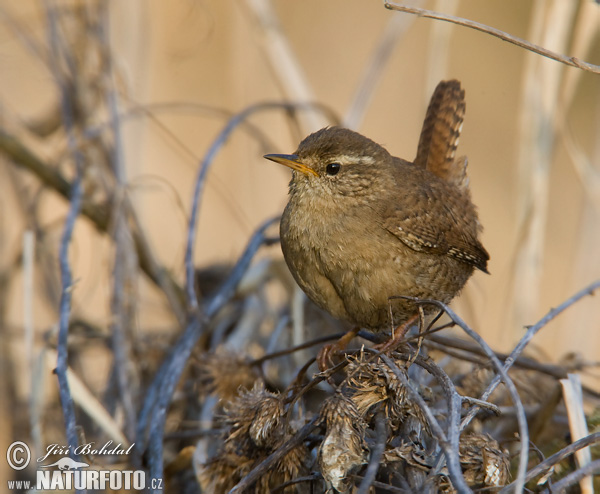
<point>532,135</point>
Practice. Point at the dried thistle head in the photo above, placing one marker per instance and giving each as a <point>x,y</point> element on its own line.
<point>343,449</point>
<point>534,387</point>
<point>373,383</point>
<point>255,429</point>
<point>226,469</point>
<point>256,416</point>
<point>293,465</point>
<point>220,474</point>
<point>224,373</point>
<point>483,461</point>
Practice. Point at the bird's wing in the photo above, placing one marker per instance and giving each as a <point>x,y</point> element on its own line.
<point>441,132</point>
<point>430,225</point>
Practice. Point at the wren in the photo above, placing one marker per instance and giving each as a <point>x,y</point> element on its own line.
<point>362,226</point>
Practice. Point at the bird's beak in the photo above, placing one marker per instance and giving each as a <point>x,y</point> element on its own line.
<point>292,161</point>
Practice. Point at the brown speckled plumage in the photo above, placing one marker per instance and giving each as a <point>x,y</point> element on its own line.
<point>381,226</point>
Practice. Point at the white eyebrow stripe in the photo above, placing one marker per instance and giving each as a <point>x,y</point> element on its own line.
<point>351,160</point>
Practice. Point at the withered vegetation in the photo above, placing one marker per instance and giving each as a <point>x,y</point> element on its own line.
<point>230,399</point>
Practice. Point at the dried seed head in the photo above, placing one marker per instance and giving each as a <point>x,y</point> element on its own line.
<point>343,449</point>
<point>255,415</point>
<point>483,462</point>
<point>291,466</point>
<point>255,430</point>
<point>224,373</point>
<point>220,474</point>
<point>373,383</point>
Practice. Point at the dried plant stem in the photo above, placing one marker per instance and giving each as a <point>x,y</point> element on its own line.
<point>501,375</point>
<point>283,450</point>
<point>391,36</point>
<point>573,398</point>
<point>571,61</point>
<point>74,207</point>
<point>160,393</point>
<point>376,454</point>
<point>284,63</point>
<point>576,476</point>
<point>556,458</point>
<point>448,443</point>
<point>550,23</point>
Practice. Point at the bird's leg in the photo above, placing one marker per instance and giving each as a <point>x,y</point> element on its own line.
<point>397,337</point>
<point>325,356</point>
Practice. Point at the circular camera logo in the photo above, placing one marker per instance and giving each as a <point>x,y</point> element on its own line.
<point>18,455</point>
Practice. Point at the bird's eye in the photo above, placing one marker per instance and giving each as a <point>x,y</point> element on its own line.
<point>333,168</point>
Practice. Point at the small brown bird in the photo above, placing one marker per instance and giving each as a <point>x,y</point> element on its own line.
<point>362,226</point>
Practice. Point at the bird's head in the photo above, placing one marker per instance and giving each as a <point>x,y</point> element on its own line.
<point>337,162</point>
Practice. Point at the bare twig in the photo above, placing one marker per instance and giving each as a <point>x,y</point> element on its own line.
<point>160,393</point>
<point>571,61</point>
<point>531,332</point>
<point>279,453</point>
<point>65,270</point>
<point>501,375</point>
<point>448,443</point>
<point>218,143</point>
<point>556,458</point>
<point>376,454</point>
<point>574,477</point>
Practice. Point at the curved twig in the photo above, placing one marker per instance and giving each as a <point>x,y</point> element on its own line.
<point>574,477</point>
<point>207,161</point>
<point>549,462</point>
<point>277,455</point>
<point>502,375</point>
<point>571,61</point>
<point>160,393</point>
<point>449,444</point>
<point>376,455</point>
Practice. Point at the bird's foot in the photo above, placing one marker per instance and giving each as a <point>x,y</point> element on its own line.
<point>397,337</point>
<point>326,354</point>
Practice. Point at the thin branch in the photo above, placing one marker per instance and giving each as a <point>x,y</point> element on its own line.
<point>574,477</point>
<point>531,332</point>
<point>430,14</point>
<point>209,157</point>
<point>277,455</point>
<point>449,444</point>
<point>376,454</point>
<point>556,458</point>
<point>501,375</point>
<point>160,393</point>
<point>66,398</point>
